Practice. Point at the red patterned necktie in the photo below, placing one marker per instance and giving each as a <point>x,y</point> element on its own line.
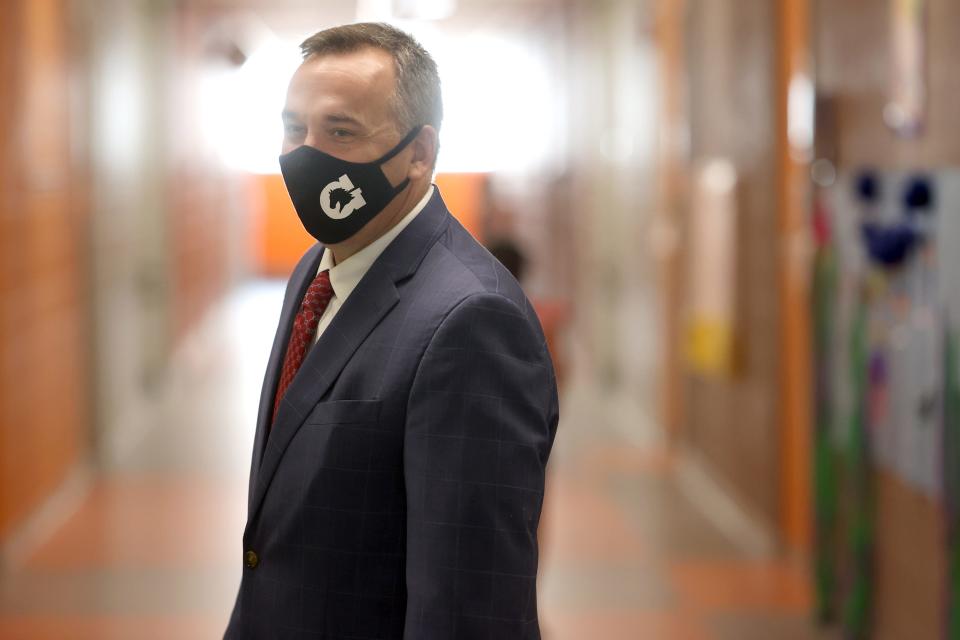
<point>314,303</point>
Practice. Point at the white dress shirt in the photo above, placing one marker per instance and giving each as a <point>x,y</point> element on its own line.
<point>345,276</point>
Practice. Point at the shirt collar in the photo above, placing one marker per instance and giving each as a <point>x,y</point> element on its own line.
<point>345,276</point>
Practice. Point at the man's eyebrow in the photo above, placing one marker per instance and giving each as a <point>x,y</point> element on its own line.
<point>342,118</point>
<point>290,115</point>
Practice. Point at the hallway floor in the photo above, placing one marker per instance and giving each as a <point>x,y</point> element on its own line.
<point>152,551</point>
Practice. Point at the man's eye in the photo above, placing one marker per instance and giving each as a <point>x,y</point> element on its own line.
<point>341,133</point>
<point>292,130</point>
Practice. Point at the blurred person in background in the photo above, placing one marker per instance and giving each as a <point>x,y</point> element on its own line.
<point>409,404</point>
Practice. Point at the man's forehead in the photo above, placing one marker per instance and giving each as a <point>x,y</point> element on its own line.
<point>361,75</point>
<point>340,87</point>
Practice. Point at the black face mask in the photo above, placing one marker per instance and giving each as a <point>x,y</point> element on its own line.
<point>335,198</point>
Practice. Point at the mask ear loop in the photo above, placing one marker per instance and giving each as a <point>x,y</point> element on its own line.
<point>407,139</point>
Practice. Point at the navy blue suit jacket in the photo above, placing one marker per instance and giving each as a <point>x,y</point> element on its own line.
<point>399,491</point>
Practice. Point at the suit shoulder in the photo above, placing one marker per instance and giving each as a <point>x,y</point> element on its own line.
<point>460,283</point>
<point>458,255</point>
<point>309,256</point>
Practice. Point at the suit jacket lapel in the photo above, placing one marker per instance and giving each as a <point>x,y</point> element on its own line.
<point>299,281</point>
<point>374,296</point>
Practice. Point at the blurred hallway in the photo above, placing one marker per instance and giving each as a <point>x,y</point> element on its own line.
<point>738,222</point>
<point>152,551</point>
<point>629,551</point>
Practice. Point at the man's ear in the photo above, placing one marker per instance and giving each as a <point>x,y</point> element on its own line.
<point>424,148</point>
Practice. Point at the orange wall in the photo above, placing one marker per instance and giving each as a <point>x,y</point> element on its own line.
<point>670,193</point>
<point>795,344</point>
<point>278,237</point>
<point>43,330</point>
<point>464,195</point>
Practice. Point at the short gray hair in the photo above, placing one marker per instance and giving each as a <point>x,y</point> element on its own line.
<point>416,100</point>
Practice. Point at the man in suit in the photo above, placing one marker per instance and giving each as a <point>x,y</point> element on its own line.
<point>409,404</point>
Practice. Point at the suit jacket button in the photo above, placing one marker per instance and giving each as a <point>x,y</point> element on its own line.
<point>251,560</point>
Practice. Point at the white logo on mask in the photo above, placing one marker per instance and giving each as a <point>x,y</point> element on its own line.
<point>339,212</point>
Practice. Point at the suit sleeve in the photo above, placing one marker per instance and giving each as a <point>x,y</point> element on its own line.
<point>481,418</point>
